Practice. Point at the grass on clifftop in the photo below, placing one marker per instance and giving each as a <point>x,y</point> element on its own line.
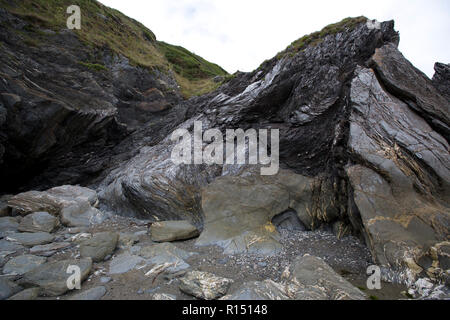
<point>103,26</point>
<point>313,39</point>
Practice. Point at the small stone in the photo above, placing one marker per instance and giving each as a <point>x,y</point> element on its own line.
<point>105,280</point>
<point>164,296</point>
<point>8,224</point>
<point>39,222</point>
<point>22,264</point>
<point>166,231</point>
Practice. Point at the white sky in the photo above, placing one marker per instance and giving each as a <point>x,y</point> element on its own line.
<point>241,34</point>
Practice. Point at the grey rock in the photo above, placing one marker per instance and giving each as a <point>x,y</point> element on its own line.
<point>128,239</point>
<point>99,246</point>
<point>39,221</point>
<point>6,245</point>
<point>105,280</point>
<point>204,285</point>
<point>81,214</point>
<point>441,79</point>
<point>8,224</point>
<point>288,220</point>
<point>52,200</point>
<point>124,263</point>
<point>166,253</point>
<point>312,279</point>
<point>8,289</point>
<point>22,264</point>
<point>27,294</point>
<point>91,294</point>
<point>258,290</point>
<point>31,239</point>
<point>52,277</point>
<point>165,231</point>
<point>51,247</point>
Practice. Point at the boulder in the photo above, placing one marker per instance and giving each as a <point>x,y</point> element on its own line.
<point>91,294</point>
<point>52,277</point>
<point>258,290</point>
<point>166,231</point>
<point>204,285</point>
<point>310,278</point>
<point>99,246</point>
<point>166,254</point>
<point>239,209</point>
<point>124,263</point>
<point>52,200</point>
<point>39,221</point>
<point>29,239</point>
<point>81,214</point>
<point>22,264</point>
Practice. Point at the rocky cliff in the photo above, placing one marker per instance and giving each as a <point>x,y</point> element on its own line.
<point>364,142</point>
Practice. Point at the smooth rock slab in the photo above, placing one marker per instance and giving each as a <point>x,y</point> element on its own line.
<point>166,231</point>
<point>22,264</point>
<point>27,294</point>
<point>124,263</point>
<point>166,253</point>
<point>39,222</point>
<point>204,285</point>
<point>90,294</point>
<point>52,277</point>
<point>312,279</point>
<point>8,288</point>
<point>99,246</point>
<point>259,290</point>
<point>31,239</point>
<point>8,224</point>
<point>6,245</point>
<point>81,214</point>
<point>55,246</point>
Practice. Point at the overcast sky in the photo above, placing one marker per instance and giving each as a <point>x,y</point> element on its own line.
<point>241,34</point>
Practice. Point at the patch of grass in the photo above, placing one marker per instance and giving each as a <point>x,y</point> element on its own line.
<point>372,297</point>
<point>315,38</point>
<point>361,288</point>
<point>93,66</point>
<point>102,26</point>
<point>189,65</point>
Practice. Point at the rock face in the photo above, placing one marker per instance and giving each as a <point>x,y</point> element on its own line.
<point>166,231</point>
<point>441,79</point>
<point>363,150</point>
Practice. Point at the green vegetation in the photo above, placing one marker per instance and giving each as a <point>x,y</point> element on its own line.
<point>374,298</point>
<point>361,288</point>
<point>93,66</point>
<point>189,65</point>
<point>102,26</point>
<point>313,39</point>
